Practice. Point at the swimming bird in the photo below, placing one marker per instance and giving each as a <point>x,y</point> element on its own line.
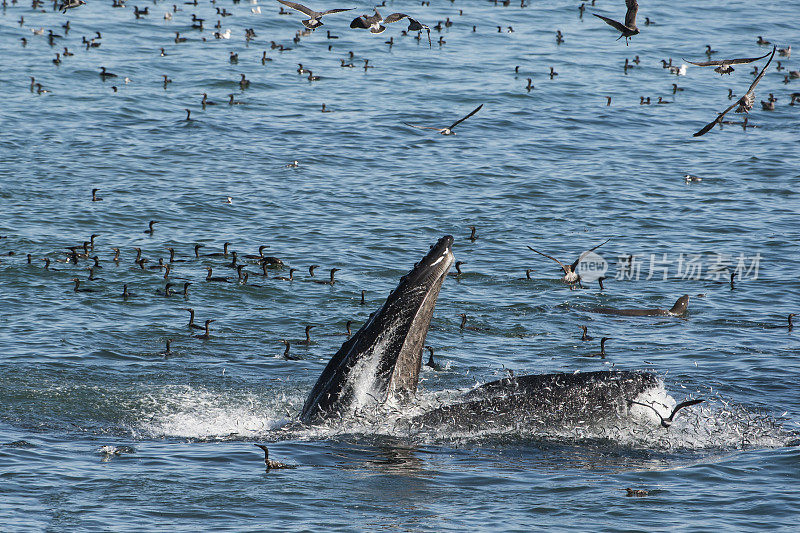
<point>328,282</point>
<point>178,38</point>
<point>636,492</point>
<point>464,325</point>
<point>570,275</point>
<point>314,17</point>
<point>260,255</point>
<point>602,353</point>
<point>745,103</point>
<point>307,340</point>
<point>78,286</point>
<point>675,88</point>
<point>57,60</point>
<point>191,323</point>
<point>724,65</point>
<point>207,333</point>
<point>284,278</point>
<point>311,270</point>
<point>559,37</point>
<point>105,75</point>
<point>584,336</point>
<point>167,292</point>
<point>231,100</point>
<point>286,354</point>
<point>448,130</point>
<point>150,229</point>
<point>167,351</point>
<point>326,110</point>
<point>472,233</point>
<point>761,41</point>
<point>628,29</point>
<point>433,365</point>
<point>789,318</point>
<point>244,83</point>
<point>667,422</point>
<point>269,462</point>
<point>96,198</point>
<point>205,101</point>
<point>709,51</point>
<point>218,279</point>
<point>785,52</point>
<point>458,269</point>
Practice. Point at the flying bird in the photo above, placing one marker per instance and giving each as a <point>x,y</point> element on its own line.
<point>745,103</point>
<point>667,422</point>
<point>374,23</point>
<point>724,65</point>
<point>570,275</point>
<point>628,29</point>
<point>448,130</point>
<point>70,4</point>
<point>314,17</point>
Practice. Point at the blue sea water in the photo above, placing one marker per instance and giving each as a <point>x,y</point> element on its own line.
<point>554,168</point>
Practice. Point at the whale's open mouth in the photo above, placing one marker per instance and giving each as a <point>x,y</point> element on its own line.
<point>382,360</point>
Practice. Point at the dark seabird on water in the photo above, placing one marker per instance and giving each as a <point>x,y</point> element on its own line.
<point>570,276</point>
<point>269,462</point>
<point>628,29</point>
<point>745,103</point>
<point>448,130</point>
<point>314,17</point>
<point>667,422</point>
<point>724,65</point>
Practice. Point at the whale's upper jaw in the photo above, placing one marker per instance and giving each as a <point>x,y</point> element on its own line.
<point>382,360</point>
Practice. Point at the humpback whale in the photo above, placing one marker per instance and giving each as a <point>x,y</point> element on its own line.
<point>381,364</point>
<point>679,309</point>
<point>383,358</point>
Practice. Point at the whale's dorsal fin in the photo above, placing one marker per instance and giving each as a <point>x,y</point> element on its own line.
<point>680,306</point>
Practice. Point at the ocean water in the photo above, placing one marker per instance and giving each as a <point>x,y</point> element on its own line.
<point>100,431</point>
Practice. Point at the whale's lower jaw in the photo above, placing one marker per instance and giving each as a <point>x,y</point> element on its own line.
<point>541,400</point>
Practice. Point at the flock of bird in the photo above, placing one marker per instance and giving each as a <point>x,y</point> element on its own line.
<point>376,24</point>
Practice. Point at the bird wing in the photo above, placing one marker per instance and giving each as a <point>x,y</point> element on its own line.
<point>415,25</point>
<point>578,260</point>
<point>551,257</point>
<point>736,61</point>
<point>394,17</point>
<point>422,127</point>
<point>611,22</point>
<point>748,94</point>
<point>459,121</point>
<point>298,7</point>
<point>360,22</point>
<point>714,122</point>
<point>632,402</point>
<point>684,404</point>
<point>328,12</point>
<point>761,74</point>
<point>630,15</point>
